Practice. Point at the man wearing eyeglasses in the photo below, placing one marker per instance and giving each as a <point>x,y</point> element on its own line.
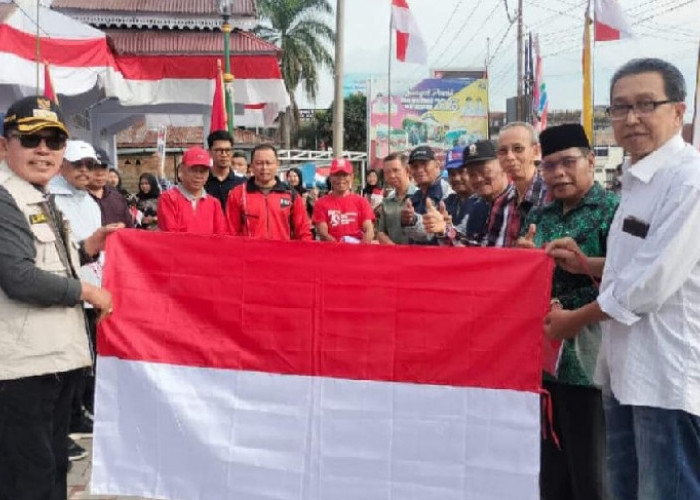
<point>43,341</point>
<point>650,354</point>
<point>222,177</point>
<point>582,209</point>
<point>518,152</point>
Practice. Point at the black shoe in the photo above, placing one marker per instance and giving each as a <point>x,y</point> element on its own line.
<point>80,429</point>
<point>75,451</point>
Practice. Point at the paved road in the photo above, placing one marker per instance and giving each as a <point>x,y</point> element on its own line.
<point>79,478</point>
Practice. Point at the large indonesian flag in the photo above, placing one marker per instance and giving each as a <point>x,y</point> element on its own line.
<point>610,22</point>
<point>247,369</point>
<point>410,45</point>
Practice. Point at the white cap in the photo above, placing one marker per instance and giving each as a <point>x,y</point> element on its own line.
<point>78,150</point>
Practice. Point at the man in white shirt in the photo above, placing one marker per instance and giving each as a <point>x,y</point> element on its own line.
<point>649,363</point>
<point>69,190</point>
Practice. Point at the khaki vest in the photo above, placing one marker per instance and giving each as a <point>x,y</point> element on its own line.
<point>39,340</point>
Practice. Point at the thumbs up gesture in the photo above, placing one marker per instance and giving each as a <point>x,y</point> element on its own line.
<point>527,241</point>
<point>434,220</point>
<point>407,213</point>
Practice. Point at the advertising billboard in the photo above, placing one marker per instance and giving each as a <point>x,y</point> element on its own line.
<point>443,113</point>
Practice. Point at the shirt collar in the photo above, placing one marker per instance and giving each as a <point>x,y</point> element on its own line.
<point>534,192</point>
<point>595,196</point>
<point>645,168</point>
<point>412,188</point>
<point>189,196</point>
<point>60,186</point>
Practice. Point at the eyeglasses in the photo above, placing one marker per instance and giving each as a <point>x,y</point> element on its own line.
<point>643,108</point>
<point>517,149</point>
<point>222,151</point>
<point>86,163</point>
<point>31,141</point>
<point>566,162</point>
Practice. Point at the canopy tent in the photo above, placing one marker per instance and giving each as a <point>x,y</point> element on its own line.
<point>86,71</point>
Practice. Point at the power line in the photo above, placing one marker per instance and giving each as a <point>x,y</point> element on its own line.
<point>469,41</point>
<point>444,28</point>
<point>459,31</point>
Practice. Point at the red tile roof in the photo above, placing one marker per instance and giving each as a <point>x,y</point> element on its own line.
<point>244,8</point>
<point>135,41</point>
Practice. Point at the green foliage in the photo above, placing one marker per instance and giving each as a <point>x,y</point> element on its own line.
<point>320,128</point>
<point>299,29</point>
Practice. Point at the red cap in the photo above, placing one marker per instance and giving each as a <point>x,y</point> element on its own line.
<point>196,156</point>
<point>341,165</point>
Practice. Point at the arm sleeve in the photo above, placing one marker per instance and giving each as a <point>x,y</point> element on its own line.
<point>662,263</point>
<point>416,231</point>
<point>20,278</point>
<point>367,212</point>
<point>320,214</point>
<point>167,213</point>
<point>302,225</point>
<point>220,224</point>
<point>233,211</point>
<point>381,220</point>
<point>126,216</point>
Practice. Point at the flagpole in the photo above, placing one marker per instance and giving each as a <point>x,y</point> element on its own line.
<point>339,106</point>
<point>593,58</point>
<point>391,50</point>
<point>38,50</point>
<point>488,94</point>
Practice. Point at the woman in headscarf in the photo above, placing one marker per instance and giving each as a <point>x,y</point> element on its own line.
<point>147,201</point>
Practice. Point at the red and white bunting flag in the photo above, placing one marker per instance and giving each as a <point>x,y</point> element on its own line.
<point>300,371</point>
<point>610,22</point>
<point>410,44</point>
<point>49,92</point>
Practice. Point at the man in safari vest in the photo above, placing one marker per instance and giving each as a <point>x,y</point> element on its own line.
<point>43,339</point>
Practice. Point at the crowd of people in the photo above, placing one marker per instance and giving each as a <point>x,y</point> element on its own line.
<point>625,388</point>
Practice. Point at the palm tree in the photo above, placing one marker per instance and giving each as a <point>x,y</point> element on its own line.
<point>298,28</point>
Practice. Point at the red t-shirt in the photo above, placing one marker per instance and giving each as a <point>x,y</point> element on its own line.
<point>343,214</point>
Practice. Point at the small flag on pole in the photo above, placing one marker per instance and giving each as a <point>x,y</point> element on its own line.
<point>610,22</point>
<point>540,101</point>
<point>49,92</point>
<point>410,44</point>
<point>218,106</point>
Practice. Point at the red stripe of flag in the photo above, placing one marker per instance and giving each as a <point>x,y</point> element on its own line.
<point>460,317</point>
<point>605,33</point>
<point>204,67</point>
<point>401,45</point>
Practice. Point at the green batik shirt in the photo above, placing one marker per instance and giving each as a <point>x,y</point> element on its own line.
<point>588,224</point>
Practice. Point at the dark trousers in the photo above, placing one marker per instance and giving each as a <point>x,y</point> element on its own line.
<point>84,396</point>
<point>34,418</point>
<point>576,471</point>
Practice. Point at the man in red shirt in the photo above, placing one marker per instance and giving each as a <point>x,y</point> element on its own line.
<point>187,208</point>
<point>343,215</point>
<point>264,207</point>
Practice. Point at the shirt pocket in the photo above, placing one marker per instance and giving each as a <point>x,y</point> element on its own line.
<point>48,258</point>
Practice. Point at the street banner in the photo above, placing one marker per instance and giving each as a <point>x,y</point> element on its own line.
<point>246,369</point>
<point>443,113</point>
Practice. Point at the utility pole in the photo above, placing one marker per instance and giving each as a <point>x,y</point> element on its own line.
<point>339,105</point>
<point>520,111</point>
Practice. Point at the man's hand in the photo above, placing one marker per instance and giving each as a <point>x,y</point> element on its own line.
<point>567,255</point>
<point>100,298</point>
<point>561,324</point>
<point>527,241</point>
<point>407,213</point>
<point>435,221</point>
<point>95,243</point>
